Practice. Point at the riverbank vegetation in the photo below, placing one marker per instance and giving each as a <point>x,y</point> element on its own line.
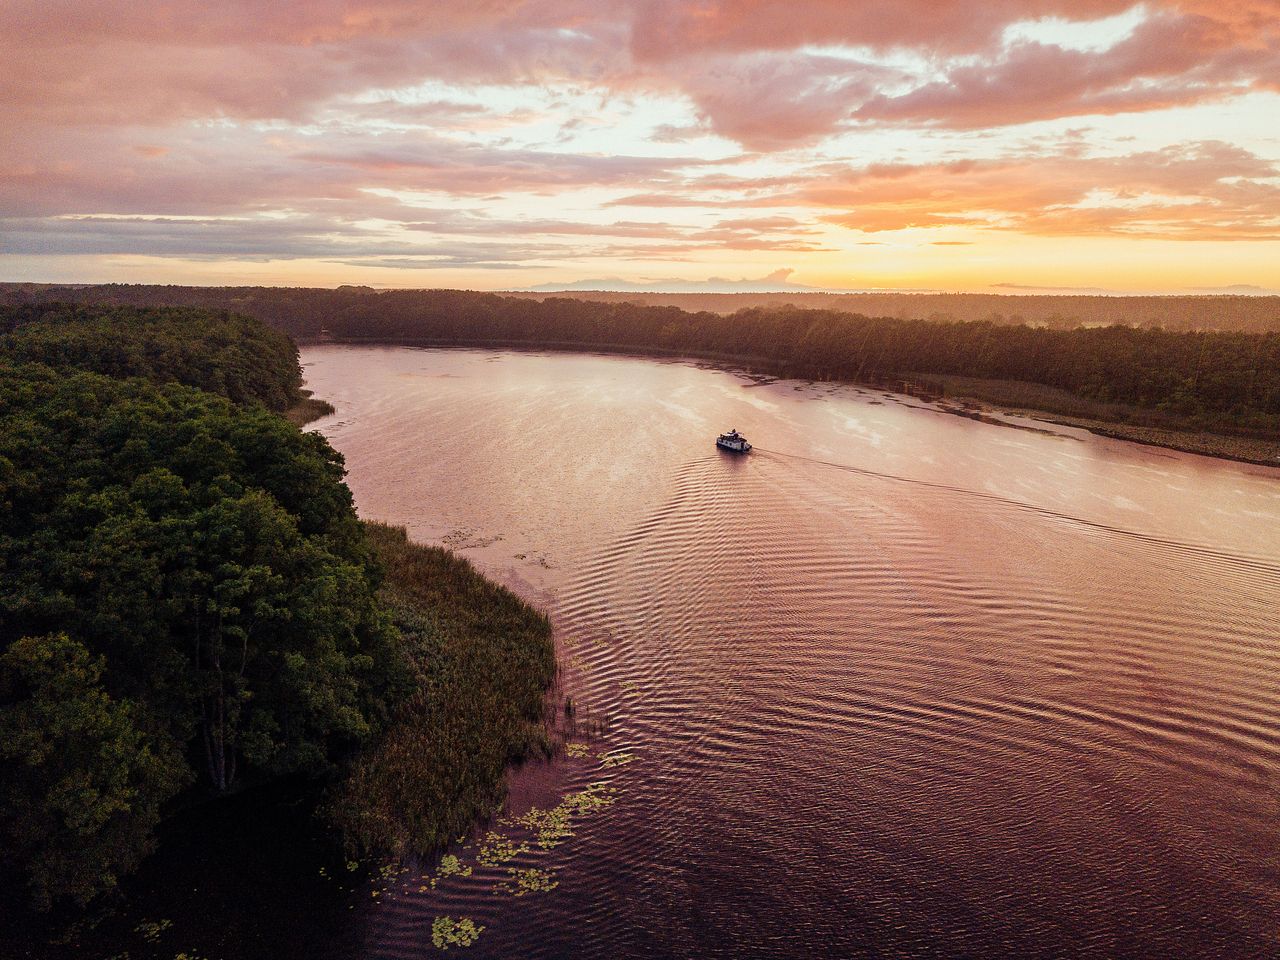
<point>1223,382</point>
<point>1117,420</point>
<point>189,604</point>
<point>482,659</point>
<point>307,409</point>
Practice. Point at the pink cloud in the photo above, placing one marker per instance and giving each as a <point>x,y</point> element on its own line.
<point>239,108</point>
<point>1168,61</point>
<point>738,61</point>
<point>1203,191</point>
<point>676,28</point>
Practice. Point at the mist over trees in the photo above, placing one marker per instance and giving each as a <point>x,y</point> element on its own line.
<point>1258,314</point>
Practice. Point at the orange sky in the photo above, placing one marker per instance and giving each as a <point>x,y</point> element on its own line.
<point>939,144</point>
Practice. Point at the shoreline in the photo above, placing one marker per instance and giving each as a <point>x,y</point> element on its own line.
<point>464,634</point>
<point>307,410</point>
<point>1239,449</point>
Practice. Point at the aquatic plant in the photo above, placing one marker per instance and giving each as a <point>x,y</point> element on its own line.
<point>451,866</point>
<point>150,930</point>
<point>447,932</point>
<point>577,750</point>
<point>498,849</point>
<point>520,882</point>
<point>620,759</point>
<point>552,827</point>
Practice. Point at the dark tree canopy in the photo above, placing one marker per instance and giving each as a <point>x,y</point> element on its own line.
<point>232,356</point>
<point>84,780</point>
<point>185,591</point>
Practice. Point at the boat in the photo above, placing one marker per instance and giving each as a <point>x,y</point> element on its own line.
<point>734,442</point>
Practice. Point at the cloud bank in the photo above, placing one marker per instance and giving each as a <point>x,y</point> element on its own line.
<point>588,138</point>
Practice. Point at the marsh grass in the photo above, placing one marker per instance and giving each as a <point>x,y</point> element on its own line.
<point>307,409</point>
<point>483,659</point>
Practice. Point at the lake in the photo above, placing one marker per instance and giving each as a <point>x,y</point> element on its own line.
<point>897,683</point>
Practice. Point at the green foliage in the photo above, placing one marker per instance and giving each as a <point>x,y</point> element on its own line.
<point>81,779</point>
<point>483,659</point>
<point>202,563</point>
<point>232,356</point>
<point>209,551</point>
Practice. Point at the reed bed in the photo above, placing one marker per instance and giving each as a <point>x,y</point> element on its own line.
<point>484,659</point>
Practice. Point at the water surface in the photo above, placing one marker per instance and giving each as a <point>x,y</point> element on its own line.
<point>897,684</point>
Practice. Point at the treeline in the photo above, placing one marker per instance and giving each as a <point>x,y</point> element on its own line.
<point>186,595</point>
<point>1207,380</point>
<point>1246,313</point>
<point>1221,312</point>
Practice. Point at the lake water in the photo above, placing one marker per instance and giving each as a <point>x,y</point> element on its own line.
<point>897,684</point>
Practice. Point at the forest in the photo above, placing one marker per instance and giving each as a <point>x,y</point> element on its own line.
<point>1061,311</point>
<point>189,604</point>
<point>232,356</point>
<point>1238,313</point>
<point>1227,382</point>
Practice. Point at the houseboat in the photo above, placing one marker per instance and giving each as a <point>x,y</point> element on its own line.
<point>733,441</point>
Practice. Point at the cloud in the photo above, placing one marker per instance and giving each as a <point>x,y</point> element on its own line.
<point>1239,290</point>
<point>1167,61</point>
<point>769,100</point>
<point>251,239</point>
<point>1201,191</point>
<point>775,282</point>
<point>416,131</point>
<point>213,171</point>
<point>754,70</point>
<point>675,28</point>
<point>1036,288</point>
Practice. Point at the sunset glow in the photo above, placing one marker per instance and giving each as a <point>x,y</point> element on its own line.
<point>509,144</point>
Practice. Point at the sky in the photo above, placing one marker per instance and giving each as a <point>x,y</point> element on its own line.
<point>986,145</point>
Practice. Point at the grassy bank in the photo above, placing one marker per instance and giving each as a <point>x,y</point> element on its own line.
<point>483,659</point>
<point>1115,420</point>
<point>307,409</point>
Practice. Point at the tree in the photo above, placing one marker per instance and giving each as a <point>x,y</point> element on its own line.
<point>82,782</point>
